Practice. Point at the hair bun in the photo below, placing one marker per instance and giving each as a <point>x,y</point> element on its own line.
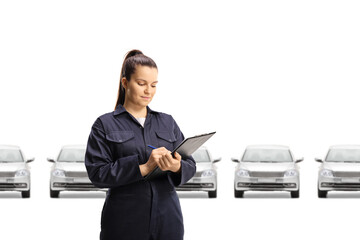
<point>133,53</point>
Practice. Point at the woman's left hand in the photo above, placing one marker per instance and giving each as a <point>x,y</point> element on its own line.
<point>167,162</point>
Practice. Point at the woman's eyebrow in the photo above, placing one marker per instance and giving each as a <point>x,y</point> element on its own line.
<point>144,80</point>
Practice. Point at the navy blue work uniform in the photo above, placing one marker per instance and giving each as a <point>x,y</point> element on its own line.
<point>134,208</point>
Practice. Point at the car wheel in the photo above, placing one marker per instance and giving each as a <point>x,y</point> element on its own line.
<point>54,194</point>
<point>295,194</point>
<point>25,194</point>
<point>322,194</point>
<point>212,194</point>
<point>239,194</point>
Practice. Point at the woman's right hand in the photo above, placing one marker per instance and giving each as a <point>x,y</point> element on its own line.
<point>155,156</point>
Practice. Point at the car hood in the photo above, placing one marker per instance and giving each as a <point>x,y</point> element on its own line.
<point>267,167</point>
<point>203,166</point>
<point>71,167</point>
<point>11,167</point>
<point>342,167</point>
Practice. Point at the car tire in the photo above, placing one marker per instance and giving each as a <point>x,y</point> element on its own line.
<point>212,194</point>
<point>322,194</point>
<point>25,194</point>
<point>239,194</point>
<point>295,194</point>
<point>54,194</point>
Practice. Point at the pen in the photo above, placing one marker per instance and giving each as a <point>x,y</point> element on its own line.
<point>172,154</point>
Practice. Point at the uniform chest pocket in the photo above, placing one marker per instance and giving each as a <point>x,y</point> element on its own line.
<point>166,139</point>
<point>122,143</point>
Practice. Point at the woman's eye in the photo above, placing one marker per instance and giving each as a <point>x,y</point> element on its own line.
<point>141,84</point>
<point>153,86</point>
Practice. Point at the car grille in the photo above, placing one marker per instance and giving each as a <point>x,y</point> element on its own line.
<point>266,174</point>
<point>76,174</point>
<point>346,174</point>
<point>341,185</point>
<point>196,185</point>
<point>74,185</point>
<point>13,185</point>
<point>7,174</point>
<point>268,185</point>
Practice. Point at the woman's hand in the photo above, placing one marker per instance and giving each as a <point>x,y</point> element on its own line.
<point>167,162</point>
<point>162,158</point>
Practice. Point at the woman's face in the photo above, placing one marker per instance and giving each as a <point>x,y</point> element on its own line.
<point>142,86</point>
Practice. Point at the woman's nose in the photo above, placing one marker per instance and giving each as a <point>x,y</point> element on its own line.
<point>147,89</point>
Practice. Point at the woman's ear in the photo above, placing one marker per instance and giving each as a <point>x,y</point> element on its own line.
<point>124,83</point>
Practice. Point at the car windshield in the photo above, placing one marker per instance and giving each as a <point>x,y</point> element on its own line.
<point>343,155</point>
<point>267,155</point>
<point>72,155</point>
<point>10,155</point>
<point>201,155</point>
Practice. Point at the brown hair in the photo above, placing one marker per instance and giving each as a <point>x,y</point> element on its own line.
<point>132,59</point>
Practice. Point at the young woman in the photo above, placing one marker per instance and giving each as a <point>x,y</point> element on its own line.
<point>118,158</point>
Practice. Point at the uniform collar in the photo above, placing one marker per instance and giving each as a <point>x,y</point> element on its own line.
<point>120,109</point>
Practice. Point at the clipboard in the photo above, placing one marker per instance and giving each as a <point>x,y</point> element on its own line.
<point>187,147</point>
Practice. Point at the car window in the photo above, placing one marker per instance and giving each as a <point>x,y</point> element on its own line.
<point>72,155</point>
<point>267,155</point>
<point>343,155</point>
<point>201,155</point>
<point>10,155</point>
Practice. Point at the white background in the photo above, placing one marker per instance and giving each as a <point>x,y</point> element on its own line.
<point>257,72</point>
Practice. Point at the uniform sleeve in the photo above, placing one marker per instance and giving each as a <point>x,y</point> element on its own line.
<point>188,165</point>
<point>102,169</point>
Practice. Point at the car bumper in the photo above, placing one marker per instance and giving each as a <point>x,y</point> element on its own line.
<point>267,184</point>
<point>72,184</point>
<point>15,184</point>
<point>339,184</point>
<point>199,184</point>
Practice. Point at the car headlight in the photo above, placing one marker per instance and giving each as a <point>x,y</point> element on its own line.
<point>242,173</point>
<point>58,173</point>
<point>326,173</point>
<point>22,173</point>
<point>207,173</point>
<point>290,173</point>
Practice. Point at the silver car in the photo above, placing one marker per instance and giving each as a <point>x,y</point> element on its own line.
<point>205,178</point>
<point>340,171</point>
<point>68,172</point>
<point>267,168</point>
<point>14,170</point>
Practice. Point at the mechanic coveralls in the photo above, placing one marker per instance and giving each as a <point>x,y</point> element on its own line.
<point>134,208</point>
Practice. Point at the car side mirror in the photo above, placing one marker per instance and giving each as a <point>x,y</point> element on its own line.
<point>50,160</point>
<point>30,160</point>
<point>235,160</point>
<point>318,160</point>
<point>299,160</point>
<point>216,160</point>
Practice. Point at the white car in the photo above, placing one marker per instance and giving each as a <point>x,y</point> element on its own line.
<point>267,168</point>
<point>205,178</point>
<point>14,170</point>
<point>340,171</point>
<point>68,172</point>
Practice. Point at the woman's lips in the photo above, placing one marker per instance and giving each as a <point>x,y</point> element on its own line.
<point>147,98</point>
